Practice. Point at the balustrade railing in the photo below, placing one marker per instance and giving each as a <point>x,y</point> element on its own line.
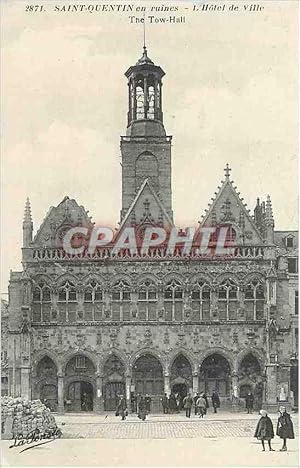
<point>155,253</point>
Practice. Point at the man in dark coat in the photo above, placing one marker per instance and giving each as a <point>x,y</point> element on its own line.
<point>148,403</point>
<point>285,429</point>
<point>264,430</point>
<point>187,404</point>
<point>195,400</point>
<point>122,408</point>
<point>206,401</point>
<point>172,403</point>
<point>165,403</point>
<point>142,408</point>
<point>249,400</point>
<point>215,400</point>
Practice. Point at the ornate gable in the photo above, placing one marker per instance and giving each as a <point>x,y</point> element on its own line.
<point>146,208</point>
<point>58,220</point>
<point>228,208</point>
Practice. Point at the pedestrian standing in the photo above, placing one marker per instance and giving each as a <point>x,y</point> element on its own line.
<point>215,399</point>
<point>165,403</point>
<point>206,401</point>
<point>249,400</point>
<point>195,401</point>
<point>142,408</point>
<point>285,429</point>
<point>172,403</point>
<point>122,408</point>
<point>201,405</point>
<point>264,430</point>
<point>187,404</point>
<point>148,403</point>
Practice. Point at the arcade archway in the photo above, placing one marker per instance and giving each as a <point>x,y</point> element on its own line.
<point>215,374</point>
<point>79,384</point>
<point>148,379</point>
<point>113,382</point>
<point>181,379</point>
<point>251,379</point>
<point>46,382</point>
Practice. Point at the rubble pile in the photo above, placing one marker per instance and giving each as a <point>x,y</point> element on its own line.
<point>25,416</point>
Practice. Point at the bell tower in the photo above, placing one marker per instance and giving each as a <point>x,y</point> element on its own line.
<point>146,149</point>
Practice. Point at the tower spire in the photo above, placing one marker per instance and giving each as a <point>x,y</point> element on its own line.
<point>27,225</point>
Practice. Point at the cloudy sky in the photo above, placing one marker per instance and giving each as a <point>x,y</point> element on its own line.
<point>230,94</point>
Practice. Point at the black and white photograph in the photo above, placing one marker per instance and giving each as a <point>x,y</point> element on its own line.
<point>149,287</point>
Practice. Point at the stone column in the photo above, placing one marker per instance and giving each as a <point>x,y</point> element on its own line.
<point>99,406</point>
<point>195,382</point>
<point>271,388</point>
<point>235,392</point>
<point>127,389</point>
<point>25,383</point>
<point>167,389</point>
<point>60,393</point>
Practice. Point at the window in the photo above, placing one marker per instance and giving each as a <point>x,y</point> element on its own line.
<point>228,300</point>
<point>80,362</point>
<point>147,301</point>
<point>289,242</point>
<point>67,299</point>
<point>173,301</point>
<point>254,301</point>
<point>93,301</point>
<point>296,303</point>
<point>292,265</point>
<point>201,301</point>
<point>121,296</point>
<point>41,307</point>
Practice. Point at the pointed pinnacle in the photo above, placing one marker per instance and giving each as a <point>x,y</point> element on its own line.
<point>27,212</point>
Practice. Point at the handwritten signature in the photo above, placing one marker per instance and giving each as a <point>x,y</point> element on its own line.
<point>36,436</point>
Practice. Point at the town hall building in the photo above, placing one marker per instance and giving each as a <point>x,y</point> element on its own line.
<point>82,329</point>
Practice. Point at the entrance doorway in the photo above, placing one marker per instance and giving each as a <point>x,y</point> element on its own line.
<point>49,396</point>
<point>181,390</point>
<point>80,396</point>
<point>112,392</point>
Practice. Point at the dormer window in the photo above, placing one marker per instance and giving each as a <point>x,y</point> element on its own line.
<point>289,242</point>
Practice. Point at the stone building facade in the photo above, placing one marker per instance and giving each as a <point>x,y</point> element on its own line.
<point>84,328</point>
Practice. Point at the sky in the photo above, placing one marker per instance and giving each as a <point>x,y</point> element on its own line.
<point>229,95</point>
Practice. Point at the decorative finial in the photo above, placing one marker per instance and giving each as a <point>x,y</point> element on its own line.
<point>27,212</point>
<point>227,171</point>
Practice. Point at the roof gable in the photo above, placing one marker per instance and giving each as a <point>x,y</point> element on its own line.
<point>58,220</point>
<point>146,208</point>
<point>229,208</point>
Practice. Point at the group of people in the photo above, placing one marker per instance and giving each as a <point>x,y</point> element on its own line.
<point>265,432</point>
<point>172,404</point>
<point>140,404</point>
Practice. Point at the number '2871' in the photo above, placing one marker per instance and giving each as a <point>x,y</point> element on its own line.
<point>34,8</point>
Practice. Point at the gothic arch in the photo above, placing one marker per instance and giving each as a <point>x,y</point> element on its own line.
<point>145,351</point>
<point>68,356</point>
<point>93,276</point>
<point>118,277</point>
<point>227,276</point>
<point>256,275</point>
<point>114,352</point>
<point>224,352</point>
<point>67,277</point>
<point>183,352</point>
<point>148,276</point>
<point>206,278</point>
<point>50,354</point>
<point>42,278</point>
<point>174,276</point>
<point>248,351</point>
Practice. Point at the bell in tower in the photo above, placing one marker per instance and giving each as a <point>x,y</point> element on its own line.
<point>146,149</point>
